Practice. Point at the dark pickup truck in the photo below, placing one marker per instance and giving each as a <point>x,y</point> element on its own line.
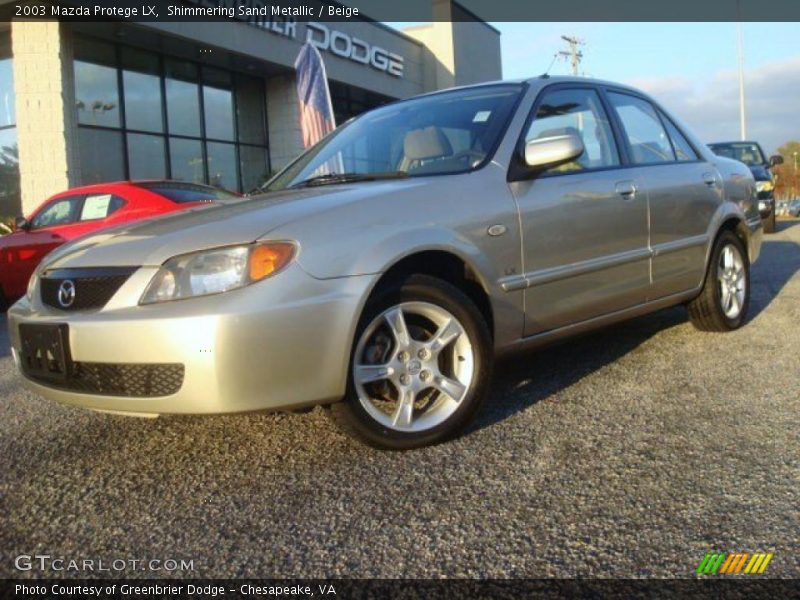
<point>751,154</point>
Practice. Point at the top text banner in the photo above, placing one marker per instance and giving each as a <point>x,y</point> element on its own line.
<point>403,10</point>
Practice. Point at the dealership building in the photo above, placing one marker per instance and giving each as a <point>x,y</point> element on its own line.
<point>205,101</point>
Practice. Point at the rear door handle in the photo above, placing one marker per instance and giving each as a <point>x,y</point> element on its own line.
<point>626,189</point>
<point>710,179</point>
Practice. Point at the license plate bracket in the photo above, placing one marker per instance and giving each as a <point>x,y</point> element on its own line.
<point>45,350</point>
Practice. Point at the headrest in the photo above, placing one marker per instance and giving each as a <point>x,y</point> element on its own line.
<point>430,142</point>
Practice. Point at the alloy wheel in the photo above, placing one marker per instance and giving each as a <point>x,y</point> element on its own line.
<point>732,281</point>
<point>413,366</point>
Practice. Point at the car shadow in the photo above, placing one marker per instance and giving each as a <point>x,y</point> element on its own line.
<point>5,343</point>
<point>523,379</point>
<point>779,261</point>
<point>784,224</point>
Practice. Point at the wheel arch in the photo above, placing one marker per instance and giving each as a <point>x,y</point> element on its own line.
<point>442,264</point>
<point>738,226</point>
<point>730,217</point>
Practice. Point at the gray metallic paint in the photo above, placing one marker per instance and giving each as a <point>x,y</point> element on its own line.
<point>575,255</point>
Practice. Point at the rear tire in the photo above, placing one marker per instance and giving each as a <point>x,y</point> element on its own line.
<point>722,304</point>
<point>769,223</point>
<point>420,366</point>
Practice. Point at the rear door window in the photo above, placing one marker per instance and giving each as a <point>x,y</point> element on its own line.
<point>683,149</point>
<point>647,138</point>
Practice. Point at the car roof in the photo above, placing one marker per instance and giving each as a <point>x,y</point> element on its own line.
<point>540,80</point>
<point>733,142</point>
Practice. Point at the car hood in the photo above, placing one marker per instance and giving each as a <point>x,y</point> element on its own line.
<point>153,241</point>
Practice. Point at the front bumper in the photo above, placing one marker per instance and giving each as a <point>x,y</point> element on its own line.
<point>766,203</point>
<point>279,344</point>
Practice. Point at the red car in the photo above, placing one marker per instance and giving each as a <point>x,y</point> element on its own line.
<point>84,210</point>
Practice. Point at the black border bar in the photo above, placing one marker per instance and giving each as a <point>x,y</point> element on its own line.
<point>400,11</point>
<point>400,589</point>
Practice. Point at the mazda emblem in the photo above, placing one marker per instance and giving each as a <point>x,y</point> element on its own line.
<point>66,293</point>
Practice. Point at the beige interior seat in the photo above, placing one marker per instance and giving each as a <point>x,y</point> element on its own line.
<point>424,144</point>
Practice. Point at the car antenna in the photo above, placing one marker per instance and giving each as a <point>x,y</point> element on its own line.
<point>546,74</point>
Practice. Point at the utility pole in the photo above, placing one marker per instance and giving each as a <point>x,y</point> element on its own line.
<point>573,54</point>
<point>740,47</point>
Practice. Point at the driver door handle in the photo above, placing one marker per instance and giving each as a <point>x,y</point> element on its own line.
<point>710,179</point>
<point>626,189</point>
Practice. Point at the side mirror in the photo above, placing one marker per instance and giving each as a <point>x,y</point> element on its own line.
<point>21,223</point>
<point>775,159</point>
<point>551,151</point>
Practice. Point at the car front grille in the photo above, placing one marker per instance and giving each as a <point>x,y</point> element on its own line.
<point>92,288</point>
<point>111,379</point>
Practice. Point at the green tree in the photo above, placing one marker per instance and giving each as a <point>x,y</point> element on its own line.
<point>787,175</point>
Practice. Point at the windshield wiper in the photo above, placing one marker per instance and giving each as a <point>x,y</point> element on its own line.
<point>332,178</point>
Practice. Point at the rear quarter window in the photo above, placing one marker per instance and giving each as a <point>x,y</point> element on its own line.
<point>100,206</point>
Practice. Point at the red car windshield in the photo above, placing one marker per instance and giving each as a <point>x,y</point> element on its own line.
<point>188,192</point>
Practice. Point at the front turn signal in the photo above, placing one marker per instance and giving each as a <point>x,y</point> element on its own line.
<point>269,258</point>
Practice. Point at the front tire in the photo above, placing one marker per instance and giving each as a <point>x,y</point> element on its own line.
<point>419,369</point>
<point>722,304</point>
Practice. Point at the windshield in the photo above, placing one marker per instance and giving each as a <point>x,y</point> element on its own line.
<point>187,192</point>
<point>746,152</point>
<point>449,132</point>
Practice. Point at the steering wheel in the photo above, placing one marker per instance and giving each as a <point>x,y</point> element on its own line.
<point>466,154</point>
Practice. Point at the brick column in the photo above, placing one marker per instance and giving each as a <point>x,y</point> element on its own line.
<point>283,120</point>
<point>46,124</point>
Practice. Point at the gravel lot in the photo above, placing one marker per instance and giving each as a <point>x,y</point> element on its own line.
<point>627,453</point>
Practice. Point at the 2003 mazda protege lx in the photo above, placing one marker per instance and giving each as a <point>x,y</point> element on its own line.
<point>381,271</point>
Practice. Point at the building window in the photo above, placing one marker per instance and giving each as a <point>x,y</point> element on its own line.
<point>146,116</point>
<point>141,82</point>
<point>96,87</point>
<point>10,205</point>
<point>218,104</point>
<point>222,169</point>
<point>349,101</point>
<point>147,156</point>
<point>102,156</point>
<point>183,98</point>
<point>186,160</point>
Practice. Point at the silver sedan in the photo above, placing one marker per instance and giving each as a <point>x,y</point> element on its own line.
<point>381,272</point>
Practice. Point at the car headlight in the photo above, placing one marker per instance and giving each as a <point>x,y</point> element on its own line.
<point>764,186</point>
<point>217,270</point>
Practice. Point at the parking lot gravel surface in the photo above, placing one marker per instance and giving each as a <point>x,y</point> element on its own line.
<point>629,452</point>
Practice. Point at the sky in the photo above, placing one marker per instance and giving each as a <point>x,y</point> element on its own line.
<point>690,68</point>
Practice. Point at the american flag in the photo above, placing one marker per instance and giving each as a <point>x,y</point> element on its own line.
<point>316,110</point>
